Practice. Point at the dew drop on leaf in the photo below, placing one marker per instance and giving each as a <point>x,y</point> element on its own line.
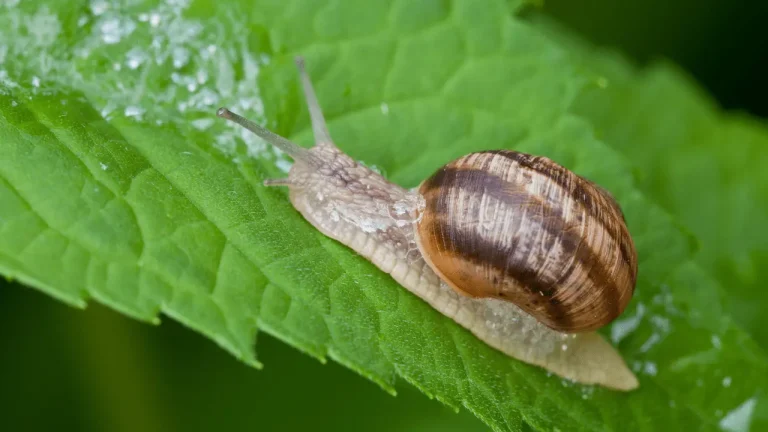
<point>739,419</point>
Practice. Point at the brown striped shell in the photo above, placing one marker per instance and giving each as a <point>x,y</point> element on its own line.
<point>524,229</point>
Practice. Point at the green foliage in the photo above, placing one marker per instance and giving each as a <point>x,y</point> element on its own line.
<point>116,184</point>
<point>704,167</point>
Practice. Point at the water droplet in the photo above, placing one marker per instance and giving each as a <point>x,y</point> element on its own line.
<point>202,76</point>
<point>103,166</point>
<point>135,57</point>
<point>623,327</point>
<point>98,7</point>
<point>133,111</point>
<point>650,368</point>
<point>206,98</point>
<point>154,19</point>
<point>653,340</point>
<point>114,29</point>
<point>716,342</point>
<point>180,57</point>
<point>739,419</point>
<point>384,108</point>
<point>108,108</point>
<point>661,323</point>
<point>727,381</point>
<point>226,144</point>
<point>202,124</point>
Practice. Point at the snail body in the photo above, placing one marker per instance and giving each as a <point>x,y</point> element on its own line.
<point>523,253</point>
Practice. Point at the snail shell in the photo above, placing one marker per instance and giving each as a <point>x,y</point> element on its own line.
<point>524,229</point>
<point>524,254</point>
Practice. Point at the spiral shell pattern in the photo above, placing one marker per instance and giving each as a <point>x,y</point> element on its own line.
<point>524,229</point>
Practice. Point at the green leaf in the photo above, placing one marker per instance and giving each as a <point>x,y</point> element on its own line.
<point>704,166</point>
<point>117,184</point>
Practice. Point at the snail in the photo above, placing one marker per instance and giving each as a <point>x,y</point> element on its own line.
<point>528,256</point>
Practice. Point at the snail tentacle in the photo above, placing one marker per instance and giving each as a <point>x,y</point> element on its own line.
<point>319,127</point>
<point>298,153</point>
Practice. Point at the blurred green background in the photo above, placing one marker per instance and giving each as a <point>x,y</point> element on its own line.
<point>95,370</point>
<point>64,369</point>
<point>722,44</point>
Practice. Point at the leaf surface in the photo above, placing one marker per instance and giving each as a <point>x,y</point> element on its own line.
<point>117,183</point>
<point>704,166</point>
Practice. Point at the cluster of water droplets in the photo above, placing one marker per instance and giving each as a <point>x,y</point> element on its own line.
<point>657,317</point>
<point>39,30</point>
<point>142,61</point>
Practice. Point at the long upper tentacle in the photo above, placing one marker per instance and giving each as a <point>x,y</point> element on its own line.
<point>292,149</point>
<point>319,128</point>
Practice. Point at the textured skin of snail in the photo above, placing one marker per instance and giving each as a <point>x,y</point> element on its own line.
<point>568,229</point>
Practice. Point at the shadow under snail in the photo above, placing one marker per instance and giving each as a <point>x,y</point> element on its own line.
<point>525,254</point>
